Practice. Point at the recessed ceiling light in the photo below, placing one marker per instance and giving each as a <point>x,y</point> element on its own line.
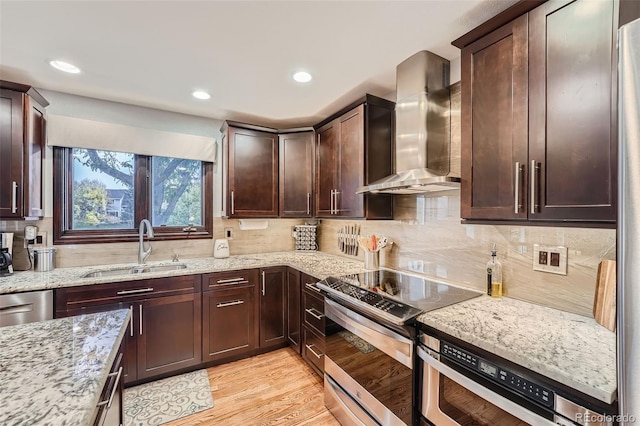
<point>302,77</point>
<point>65,66</point>
<point>199,94</point>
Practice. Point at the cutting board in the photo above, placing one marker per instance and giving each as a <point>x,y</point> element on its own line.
<point>604,302</point>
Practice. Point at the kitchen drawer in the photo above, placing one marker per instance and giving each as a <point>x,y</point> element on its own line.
<point>313,349</point>
<point>109,409</point>
<point>101,294</point>
<point>313,311</point>
<point>224,280</point>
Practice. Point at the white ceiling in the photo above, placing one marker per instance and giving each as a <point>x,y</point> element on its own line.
<point>155,53</point>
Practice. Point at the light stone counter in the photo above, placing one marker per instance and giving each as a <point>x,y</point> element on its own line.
<point>52,372</point>
<point>319,265</point>
<point>569,348</point>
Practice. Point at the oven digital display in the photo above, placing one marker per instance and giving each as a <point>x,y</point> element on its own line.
<point>488,369</point>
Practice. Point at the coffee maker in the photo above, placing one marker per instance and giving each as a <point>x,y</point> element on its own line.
<point>6,262</point>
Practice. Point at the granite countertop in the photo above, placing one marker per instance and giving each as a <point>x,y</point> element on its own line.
<point>317,264</point>
<point>569,348</point>
<point>53,372</point>
<point>565,347</point>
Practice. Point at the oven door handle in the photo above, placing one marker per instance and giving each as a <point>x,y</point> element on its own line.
<point>487,394</point>
<point>393,344</point>
<point>344,403</point>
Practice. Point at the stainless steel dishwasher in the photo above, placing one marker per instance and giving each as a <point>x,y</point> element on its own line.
<point>22,308</point>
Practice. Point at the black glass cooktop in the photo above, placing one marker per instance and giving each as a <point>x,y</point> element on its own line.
<point>395,296</point>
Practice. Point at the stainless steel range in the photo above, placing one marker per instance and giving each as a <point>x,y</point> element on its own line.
<point>370,341</point>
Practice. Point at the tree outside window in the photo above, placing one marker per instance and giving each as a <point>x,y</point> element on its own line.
<point>110,192</point>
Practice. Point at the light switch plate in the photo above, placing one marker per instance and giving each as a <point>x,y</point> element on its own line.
<point>551,257</point>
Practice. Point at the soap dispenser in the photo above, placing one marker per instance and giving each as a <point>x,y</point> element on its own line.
<point>494,275</point>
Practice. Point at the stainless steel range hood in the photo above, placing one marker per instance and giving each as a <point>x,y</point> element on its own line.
<point>423,129</point>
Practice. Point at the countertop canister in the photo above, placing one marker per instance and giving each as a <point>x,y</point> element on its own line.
<point>44,259</point>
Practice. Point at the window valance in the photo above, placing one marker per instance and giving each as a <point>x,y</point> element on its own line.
<point>75,132</point>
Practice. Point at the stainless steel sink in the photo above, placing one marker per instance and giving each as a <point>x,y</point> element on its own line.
<point>134,270</point>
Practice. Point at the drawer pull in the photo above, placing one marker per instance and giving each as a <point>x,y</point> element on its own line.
<point>232,280</point>
<point>312,287</point>
<point>312,312</point>
<point>136,291</point>
<point>225,304</point>
<point>310,349</point>
<point>113,390</point>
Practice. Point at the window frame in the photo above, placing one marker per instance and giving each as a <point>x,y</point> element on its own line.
<point>62,207</point>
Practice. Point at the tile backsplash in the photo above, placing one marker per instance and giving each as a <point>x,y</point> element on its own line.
<point>428,237</point>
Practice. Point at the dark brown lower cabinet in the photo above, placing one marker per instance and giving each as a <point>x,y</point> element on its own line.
<point>313,325</point>
<point>110,406</point>
<point>273,306</point>
<point>229,322</point>
<point>313,350</point>
<point>129,342</point>
<point>164,334</point>
<point>294,319</point>
<point>169,334</point>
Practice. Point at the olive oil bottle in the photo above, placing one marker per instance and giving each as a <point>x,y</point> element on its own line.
<point>494,275</point>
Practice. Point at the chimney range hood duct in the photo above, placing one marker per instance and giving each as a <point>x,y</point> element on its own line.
<point>423,129</point>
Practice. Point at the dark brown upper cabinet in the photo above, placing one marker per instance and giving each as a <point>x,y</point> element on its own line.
<point>494,124</point>
<point>296,174</point>
<point>354,148</point>
<point>539,140</point>
<point>22,140</point>
<point>252,171</point>
<point>572,111</point>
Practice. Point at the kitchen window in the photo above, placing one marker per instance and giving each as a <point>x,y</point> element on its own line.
<point>101,196</point>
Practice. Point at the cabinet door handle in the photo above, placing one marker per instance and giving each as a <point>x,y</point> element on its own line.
<point>518,176</point>
<point>263,284</point>
<point>14,197</point>
<point>534,186</point>
<point>312,312</point>
<point>331,203</point>
<point>131,320</point>
<point>113,390</point>
<point>233,204</point>
<point>225,304</point>
<point>141,319</point>
<point>312,287</point>
<point>310,348</point>
<point>335,203</point>
<point>308,203</point>
<point>136,291</point>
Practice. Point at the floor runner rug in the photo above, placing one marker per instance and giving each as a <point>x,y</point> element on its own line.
<point>168,399</point>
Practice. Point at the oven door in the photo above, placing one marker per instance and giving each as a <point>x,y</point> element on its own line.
<point>371,364</point>
<point>450,398</point>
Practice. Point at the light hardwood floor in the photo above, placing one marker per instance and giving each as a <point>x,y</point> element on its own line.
<point>276,388</point>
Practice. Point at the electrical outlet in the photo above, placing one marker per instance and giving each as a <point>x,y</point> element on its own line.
<point>552,259</point>
<point>227,234</point>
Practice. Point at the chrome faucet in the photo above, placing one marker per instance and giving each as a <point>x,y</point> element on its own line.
<point>142,252</point>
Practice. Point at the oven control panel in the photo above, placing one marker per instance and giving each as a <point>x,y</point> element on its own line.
<point>505,377</point>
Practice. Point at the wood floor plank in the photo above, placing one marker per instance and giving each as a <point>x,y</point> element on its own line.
<point>276,388</point>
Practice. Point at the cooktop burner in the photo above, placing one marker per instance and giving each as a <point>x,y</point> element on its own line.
<point>395,296</point>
